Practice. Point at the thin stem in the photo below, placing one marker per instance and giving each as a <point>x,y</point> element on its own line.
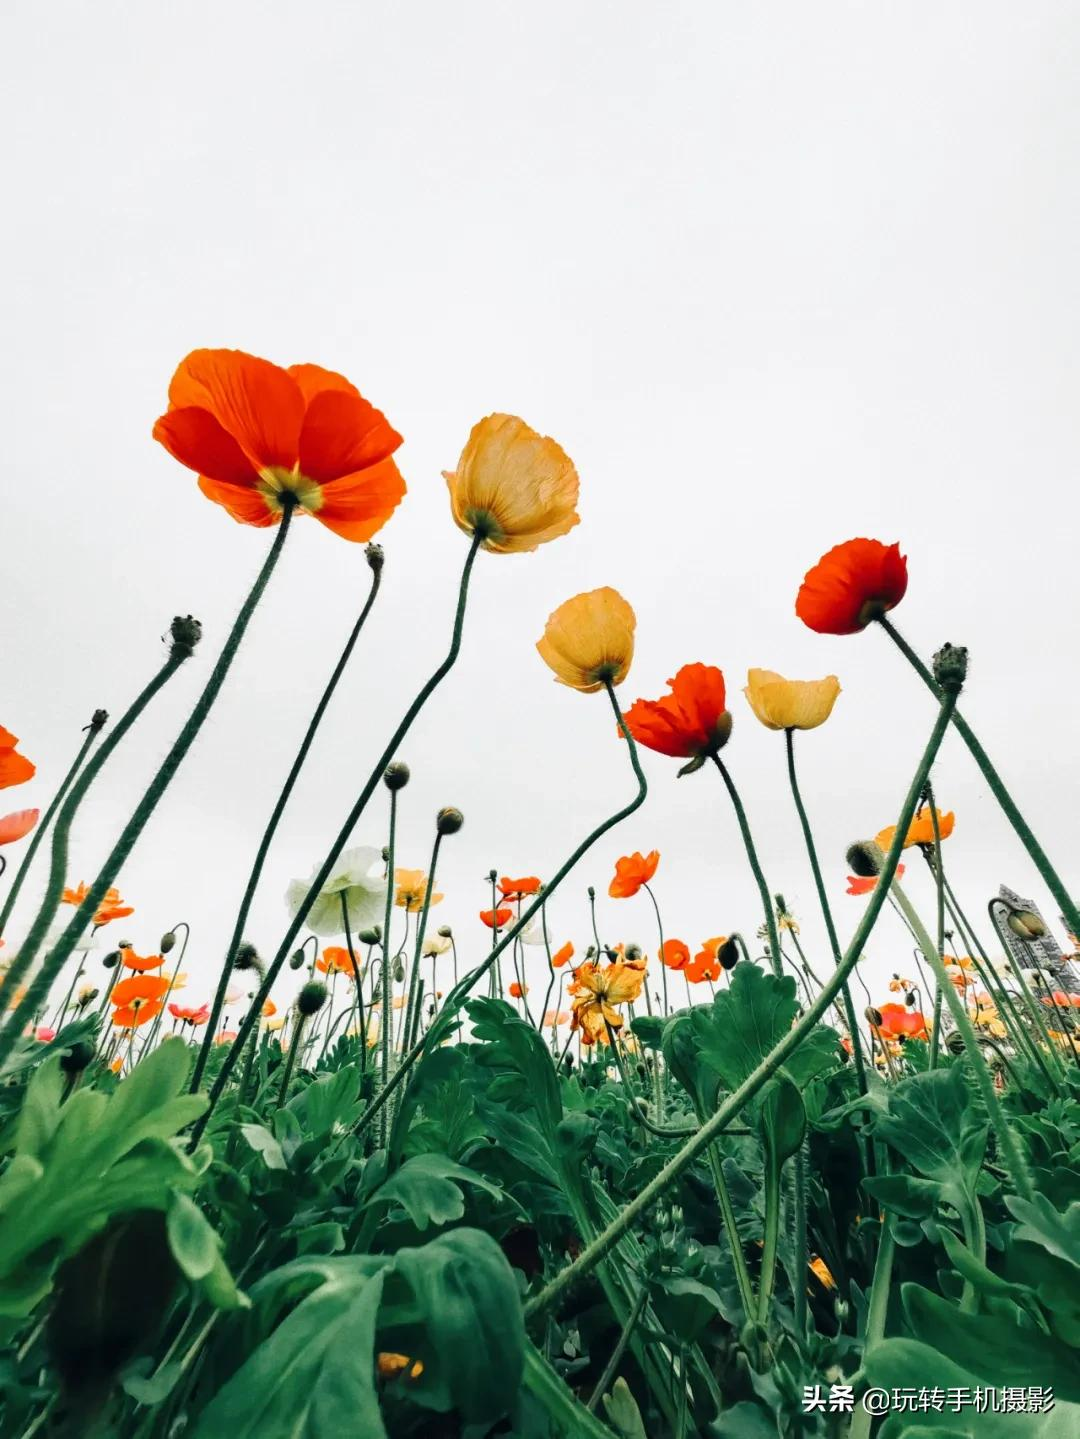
<point>801,1260</point>
<point>660,956</point>
<point>1029,999</point>
<point>386,1019</point>
<point>421,929</point>
<point>290,1062</point>
<point>939,888</point>
<point>755,865</point>
<point>359,1004</point>
<point>1050,875</point>
<point>274,968</point>
<point>611,1367</point>
<point>93,729</point>
<point>272,824</point>
<point>155,1027</point>
<point>877,1313</point>
<point>593,1252</point>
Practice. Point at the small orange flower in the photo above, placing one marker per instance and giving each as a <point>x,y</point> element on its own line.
<point>899,1022</point>
<point>822,1273</point>
<point>705,964</point>
<point>138,999</point>
<point>631,872</point>
<point>692,722</point>
<point>920,830</point>
<point>335,959</point>
<point>269,1009</point>
<point>392,1366</point>
<point>226,1036</point>
<point>255,434</point>
<point>112,907</point>
<point>1058,999</point>
<point>675,954</point>
<point>138,962</point>
<point>513,889</point>
<point>14,768</point>
<point>598,989</point>
<point>496,918</point>
<point>516,990</point>
<point>189,1014</point>
<point>562,956</point>
<point>411,890</point>
<point>854,583</point>
<point>15,826</point>
<point>858,884</point>
<point>554,1018</point>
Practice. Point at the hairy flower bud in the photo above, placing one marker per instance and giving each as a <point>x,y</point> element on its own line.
<point>370,936</point>
<point>311,998</point>
<point>950,667</point>
<point>632,952</point>
<point>444,931</point>
<point>296,959</point>
<point>168,941</point>
<point>186,633</point>
<point>398,972</point>
<point>247,957</point>
<point>396,775</point>
<point>728,954</point>
<point>375,557</point>
<point>874,1016</point>
<point>449,820</point>
<point>1025,925</point>
<point>954,1042</point>
<point>77,1057</point>
<point>865,859</point>
<point>98,720</point>
<point>591,892</point>
<point>112,959</point>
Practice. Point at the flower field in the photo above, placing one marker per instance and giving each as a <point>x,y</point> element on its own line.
<point>379,1176</point>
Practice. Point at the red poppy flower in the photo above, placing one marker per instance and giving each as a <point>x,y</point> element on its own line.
<point>14,768</point>
<point>519,888</point>
<point>1059,999</point>
<point>692,722</point>
<point>15,826</point>
<point>899,1022</point>
<point>516,989</point>
<point>856,582</point>
<point>856,884</point>
<point>189,1014</point>
<point>44,1034</point>
<point>496,918</point>
<point>254,433</point>
<point>562,956</point>
<point>675,954</point>
<point>631,872</point>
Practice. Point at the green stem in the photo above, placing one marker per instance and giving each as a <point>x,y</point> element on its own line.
<point>939,889</point>
<point>876,1315</point>
<point>460,992</point>
<point>771,1232</point>
<point>359,1001</point>
<point>1010,1150</point>
<point>755,865</point>
<point>93,729</point>
<point>570,1417</point>
<point>290,1062</point>
<point>1050,875</point>
<point>603,1384</point>
<point>273,822</point>
<point>737,1100</point>
<point>54,889</point>
<point>275,967</point>
<point>155,1027</point>
<point>421,929</point>
<point>1041,1027</point>
<point>801,1261</point>
<point>660,956</point>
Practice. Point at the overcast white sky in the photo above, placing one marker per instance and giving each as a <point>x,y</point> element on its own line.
<point>774,276</point>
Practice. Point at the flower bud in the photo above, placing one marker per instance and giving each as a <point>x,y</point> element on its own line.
<point>186,633</point>
<point>370,936</point>
<point>592,892</point>
<point>98,720</point>
<point>492,876</point>
<point>398,972</point>
<point>728,954</point>
<point>1026,925</point>
<point>444,931</point>
<point>311,998</point>
<point>611,954</point>
<point>632,952</point>
<point>77,1057</point>
<point>396,775</point>
<point>296,959</point>
<point>112,959</point>
<point>375,557</point>
<point>950,667</point>
<point>954,1042</point>
<point>449,820</point>
<point>865,859</point>
<point>590,953</point>
<point>168,942</point>
<point>874,1016</point>
<point>247,957</point>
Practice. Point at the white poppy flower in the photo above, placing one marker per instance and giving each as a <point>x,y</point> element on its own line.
<point>358,876</point>
<point>434,945</point>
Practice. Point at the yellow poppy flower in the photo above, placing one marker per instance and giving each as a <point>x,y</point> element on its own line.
<point>589,640</point>
<point>512,487</point>
<point>920,830</point>
<point>790,704</point>
<point>597,989</point>
<point>411,890</point>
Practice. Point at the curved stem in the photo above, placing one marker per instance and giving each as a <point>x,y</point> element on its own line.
<point>271,829</point>
<point>736,1101</point>
<point>461,991</point>
<point>155,1027</point>
<point>755,865</point>
<point>290,1062</point>
<point>1042,863</point>
<point>93,729</point>
<point>421,929</point>
<point>877,1312</point>
<point>275,966</point>
<point>660,956</point>
<point>611,1367</point>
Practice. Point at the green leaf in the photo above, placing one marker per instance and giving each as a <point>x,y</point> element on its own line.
<point>509,1043</point>
<point>621,1408</point>
<point>1042,1224</point>
<point>933,1125</point>
<point>784,1117</point>
<point>192,1240</point>
<point>259,1138</point>
<point>429,1189</point>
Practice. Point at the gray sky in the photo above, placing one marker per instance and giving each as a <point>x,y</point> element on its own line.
<point>774,276</point>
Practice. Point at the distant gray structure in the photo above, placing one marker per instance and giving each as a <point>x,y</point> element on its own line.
<point>1045,953</point>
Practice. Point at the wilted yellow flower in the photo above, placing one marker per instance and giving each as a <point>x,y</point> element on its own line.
<point>273,1025</point>
<point>411,889</point>
<point>920,830</point>
<point>823,1272</point>
<point>390,1366</point>
<point>589,640</point>
<point>790,704</point>
<point>512,487</point>
<point>596,990</point>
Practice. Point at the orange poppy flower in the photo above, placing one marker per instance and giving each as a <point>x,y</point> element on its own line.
<point>189,1014</point>
<point>15,826</point>
<point>519,888</point>
<point>411,889</point>
<point>254,433</point>
<point>563,956</point>
<point>516,990</point>
<point>706,964</point>
<point>822,1273</point>
<point>598,989</point>
<point>14,768</point>
<point>920,830</point>
<point>553,1018</point>
<point>857,884</point>
<point>675,954</point>
<point>138,962</point>
<point>335,959</point>
<point>1059,999</point>
<point>138,999</point>
<point>392,1366</point>
<point>226,1036</point>
<point>112,907</point>
<point>899,1022</point>
<point>496,918</point>
<point>692,722</point>
<point>631,872</point>
<point>856,582</point>
<point>269,1009</point>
